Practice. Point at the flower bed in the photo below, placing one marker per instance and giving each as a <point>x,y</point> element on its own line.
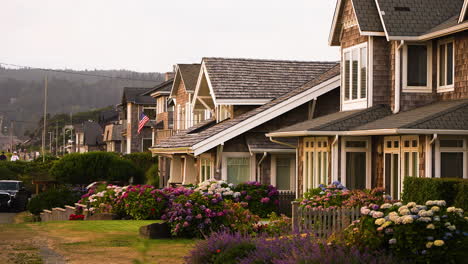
<point>336,195</point>
<point>430,233</point>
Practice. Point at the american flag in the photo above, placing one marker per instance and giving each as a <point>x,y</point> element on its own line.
<point>143,120</point>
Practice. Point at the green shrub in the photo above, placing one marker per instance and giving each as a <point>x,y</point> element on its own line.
<point>7,174</point>
<point>420,190</point>
<point>143,160</point>
<point>232,254</point>
<point>85,168</point>
<point>152,175</point>
<point>52,198</point>
<point>461,200</point>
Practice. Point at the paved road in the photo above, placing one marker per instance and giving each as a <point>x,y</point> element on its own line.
<point>6,218</point>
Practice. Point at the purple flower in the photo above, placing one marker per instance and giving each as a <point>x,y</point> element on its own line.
<point>248,197</point>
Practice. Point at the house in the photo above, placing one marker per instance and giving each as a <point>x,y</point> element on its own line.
<point>136,101</point>
<point>88,137</point>
<point>113,137</point>
<point>404,98</point>
<point>246,98</point>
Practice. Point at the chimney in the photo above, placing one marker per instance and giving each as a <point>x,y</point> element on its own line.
<point>168,76</point>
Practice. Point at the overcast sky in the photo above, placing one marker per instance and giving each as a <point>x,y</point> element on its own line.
<point>152,35</point>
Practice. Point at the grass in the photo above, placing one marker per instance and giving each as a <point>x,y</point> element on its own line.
<point>107,241</point>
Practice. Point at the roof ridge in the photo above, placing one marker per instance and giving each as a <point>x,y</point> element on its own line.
<point>275,60</point>
<point>363,111</point>
<point>463,103</point>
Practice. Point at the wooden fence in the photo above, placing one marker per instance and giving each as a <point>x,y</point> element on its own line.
<point>322,223</point>
<point>285,202</point>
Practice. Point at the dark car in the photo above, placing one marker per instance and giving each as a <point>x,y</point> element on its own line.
<point>13,195</point>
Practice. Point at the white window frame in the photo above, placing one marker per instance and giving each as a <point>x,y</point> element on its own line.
<point>292,180</point>
<point>188,116</point>
<point>439,150</point>
<point>313,178</point>
<point>226,155</point>
<point>410,150</point>
<point>417,89</point>
<point>358,103</point>
<point>445,88</point>
<point>206,158</point>
<point>367,150</point>
<point>393,150</point>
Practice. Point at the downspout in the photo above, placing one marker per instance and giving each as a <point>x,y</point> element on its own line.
<point>428,166</point>
<point>258,166</point>
<point>398,78</point>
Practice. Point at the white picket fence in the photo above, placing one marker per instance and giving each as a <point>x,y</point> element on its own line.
<point>322,223</point>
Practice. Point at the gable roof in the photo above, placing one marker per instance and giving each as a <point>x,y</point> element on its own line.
<point>134,95</point>
<point>201,140</point>
<point>340,121</point>
<point>416,18</point>
<point>162,88</point>
<point>92,133</point>
<point>232,79</point>
<point>188,74</point>
<point>367,17</point>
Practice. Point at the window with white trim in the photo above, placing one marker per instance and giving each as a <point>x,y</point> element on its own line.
<point>223,112</point>
<point>283,172</point>
<point>417,68</point>
<point>150,112</point>
<point>445,66</point>
<point>356,165</point>
<point>146,143</point>
<point>452,157</point>
<point>355,70</point>
<point>410,156</point>
<point>205,169</point>
<point>161,105</point>
<point>316,157</point>
<point>392,179</point>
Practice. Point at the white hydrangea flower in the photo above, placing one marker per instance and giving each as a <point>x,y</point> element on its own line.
<point>451,209</point>
<point>380,221</point>
<point>407,219</point>
<point>411,204</point>
<point>435,209</point>
<point>451,227</point>
<point>385,206</point>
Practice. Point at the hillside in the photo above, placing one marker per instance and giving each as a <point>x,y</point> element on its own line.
<point>22,92</point>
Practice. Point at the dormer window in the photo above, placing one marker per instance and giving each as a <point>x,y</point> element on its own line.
<point>417,68</point>
<point>354,93</point>
<point>445,66</point>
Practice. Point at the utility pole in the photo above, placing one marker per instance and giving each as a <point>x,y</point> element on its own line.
<point>45,119</point>
<point>51,134</point>
<point>11,136</point>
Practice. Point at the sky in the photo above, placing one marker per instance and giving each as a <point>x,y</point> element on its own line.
<point>153,35</point>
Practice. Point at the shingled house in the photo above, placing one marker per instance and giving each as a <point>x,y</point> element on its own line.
<point>88,137</point>
<point>404,97</point>
<point>113,137</point>
<point>135,100</point>
<point>246,99</point>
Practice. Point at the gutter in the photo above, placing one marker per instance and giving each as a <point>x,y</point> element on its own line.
<point>398,77</point>
<point>372,132</point>
<point>282,143</point>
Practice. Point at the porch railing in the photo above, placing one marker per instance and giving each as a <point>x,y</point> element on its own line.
<point>163,134</point>
<point>322,223</point>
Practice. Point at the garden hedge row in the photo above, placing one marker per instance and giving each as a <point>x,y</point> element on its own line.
<point>454,191</point>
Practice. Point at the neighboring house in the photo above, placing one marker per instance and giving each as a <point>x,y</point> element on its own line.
<point>404,98</point>
<point>88,137</point>
<point>134,102</point>
<point>246,99</point>
<point>113,137</point>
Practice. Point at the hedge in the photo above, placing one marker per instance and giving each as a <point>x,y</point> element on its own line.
<point>89,167</point>
<point>143,160</point>
<point>52,198</point>
<point>452,190</point>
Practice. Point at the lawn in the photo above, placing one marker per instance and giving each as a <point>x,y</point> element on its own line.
<point>114,241</point>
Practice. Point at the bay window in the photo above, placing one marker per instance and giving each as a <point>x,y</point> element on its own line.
<point>445,66</point>
<point>417,67</point>
<point>355,69</point>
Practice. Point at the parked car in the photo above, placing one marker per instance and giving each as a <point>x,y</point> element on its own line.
<point>13,195</point>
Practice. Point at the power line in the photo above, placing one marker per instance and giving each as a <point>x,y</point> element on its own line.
<point>77,73</point>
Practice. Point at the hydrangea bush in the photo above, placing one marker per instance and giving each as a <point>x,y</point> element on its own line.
<point>430,233</point>
<point>336,195</point>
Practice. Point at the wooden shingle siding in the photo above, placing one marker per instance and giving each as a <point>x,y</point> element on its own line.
<point>461,69</point>
<point>422,156</point>
<point>350,34</point>
<point>377,162</point>
<point>300,167</point>
<point>382,74</point>
<point>182,97</point>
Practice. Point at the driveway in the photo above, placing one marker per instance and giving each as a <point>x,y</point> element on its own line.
<point>7,218</point>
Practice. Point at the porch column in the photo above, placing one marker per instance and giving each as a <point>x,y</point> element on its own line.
<point>176,170</point>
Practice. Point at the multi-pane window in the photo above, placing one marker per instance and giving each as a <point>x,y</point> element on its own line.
<point>238,169</point>
<point>316,156</point>
<point>205,169</point>
<point>356,163</point>
<point>416,67</point>
<point>161,105</point>
<point>355,73</point>
<point>393,182</point>
<point>453,160</point>
<point>445,66</point>
<point>410,152</point>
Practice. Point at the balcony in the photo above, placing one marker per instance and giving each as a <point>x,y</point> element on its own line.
<point>163,134</point>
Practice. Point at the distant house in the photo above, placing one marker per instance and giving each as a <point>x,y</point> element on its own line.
<point>244,99</point>
<point>113,137</point>
<point>88,137</point>
<point>404,98</point>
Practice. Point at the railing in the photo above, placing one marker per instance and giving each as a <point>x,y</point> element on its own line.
<point>164,133</point>
<point>322,223</point>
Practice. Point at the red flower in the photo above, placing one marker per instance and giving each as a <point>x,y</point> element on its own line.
<point>218,250</point>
